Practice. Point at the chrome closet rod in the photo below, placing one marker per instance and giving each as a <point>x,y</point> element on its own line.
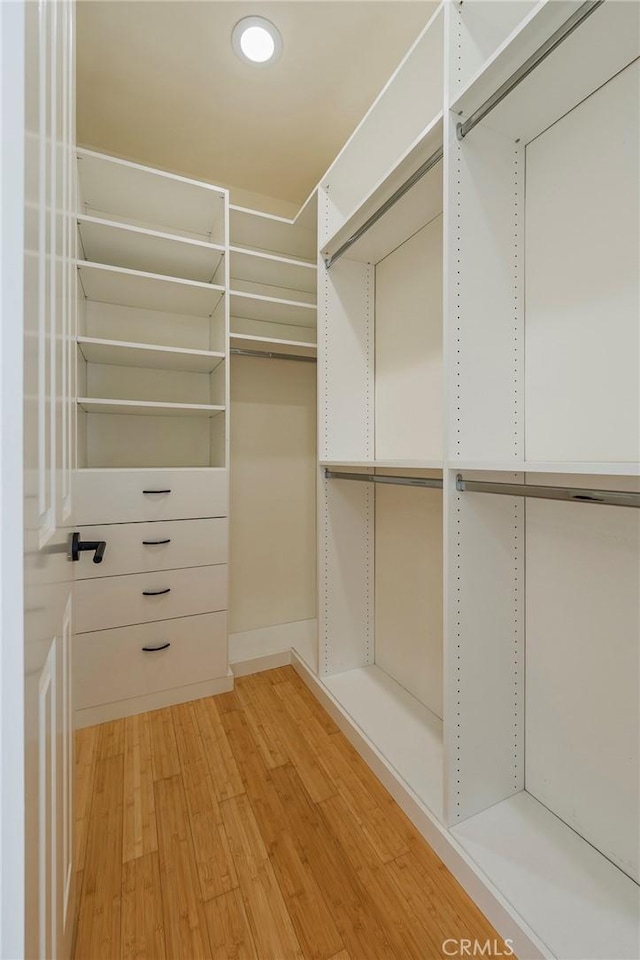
<point>580,15</point>
<point>270,355</point>
<point>422,170</point>
<point>614,498</point>
<point>385,478</point>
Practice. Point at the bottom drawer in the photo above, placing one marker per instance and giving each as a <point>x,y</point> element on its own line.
<point>112,664</point>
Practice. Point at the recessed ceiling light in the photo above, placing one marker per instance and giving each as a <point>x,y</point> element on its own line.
<point>256,40</point>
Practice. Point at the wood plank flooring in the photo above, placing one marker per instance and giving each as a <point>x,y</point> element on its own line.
<point>246,827</point>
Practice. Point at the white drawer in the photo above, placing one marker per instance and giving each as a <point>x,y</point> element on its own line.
<point>163,545</point>
<point>118,496</point>
<point>142,597</point>
<point>112,664</point>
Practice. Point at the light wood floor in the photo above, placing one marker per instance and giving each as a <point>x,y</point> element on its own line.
<point>246,826</point>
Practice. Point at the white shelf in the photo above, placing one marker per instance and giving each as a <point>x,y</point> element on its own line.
<point>272,309</point>
<point>119,189</point>
<point>148,408</point>
<point>578,903</point>
<point>592,468</point>
<point>419,206</point>
<point>124,354</point>
<point>272,291</point>
<point>406,733</point>
<point>149,291</point>
<point>601,46</point>
<point>257,266</point>
<point>122,245</point>
<point>390,464</point>
<point>145,469</point>
<point>248,342</point>
<point>266,232</point>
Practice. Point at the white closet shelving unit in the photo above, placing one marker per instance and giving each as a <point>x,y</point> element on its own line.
<point>273,280</point>
<point>481,646</point>
<point>273,267</point>
<point>152,279</point>
<point>152,438</point>
<point>381,361</point>
<point>543,626</point>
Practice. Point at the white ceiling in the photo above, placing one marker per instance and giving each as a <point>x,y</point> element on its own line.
<point>158,83</point>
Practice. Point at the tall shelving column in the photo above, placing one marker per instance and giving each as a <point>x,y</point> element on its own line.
<point>542,346</point>
<point>381,413</point>
<point>152,438</point>
<point>273,280</point>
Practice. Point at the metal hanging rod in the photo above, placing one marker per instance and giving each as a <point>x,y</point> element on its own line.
<point>385,478</point>
<point>580,15</point>
<point>615,498</point>
<point>422,170</point>
<point>270,355</point>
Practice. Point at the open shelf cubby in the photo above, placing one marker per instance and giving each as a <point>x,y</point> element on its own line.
<point>125,354</point>
<point>114,189</point>
<point>264,232</point>
<point>123,245</point>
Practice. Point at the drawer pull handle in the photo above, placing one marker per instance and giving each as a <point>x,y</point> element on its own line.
<point>155,593</point>
<point>156,491</point>
<point>154,543</point>
<point>155,649</point>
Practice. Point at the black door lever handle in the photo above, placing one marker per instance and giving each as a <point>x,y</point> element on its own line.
<point>78,545</point>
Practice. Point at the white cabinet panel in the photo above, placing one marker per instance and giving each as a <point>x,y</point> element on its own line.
<point>142,597</point>
<point>582,296</point>
<point>113,665</point>
<point>163,545</point>
<point>113,496</point>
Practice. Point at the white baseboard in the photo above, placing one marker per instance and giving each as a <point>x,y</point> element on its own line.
<point>259,664</point>
<point>152,701</point>
<point>256,650</point>
<point>526,945</point>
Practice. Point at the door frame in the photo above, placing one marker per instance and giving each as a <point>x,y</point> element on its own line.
<point>12,801</point>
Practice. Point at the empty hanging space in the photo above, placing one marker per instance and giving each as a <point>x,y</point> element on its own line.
<point>582,292</point>
<point>543,663</point>
<point>273,525</point>
<point>544,295</point>
<point>381,617</point>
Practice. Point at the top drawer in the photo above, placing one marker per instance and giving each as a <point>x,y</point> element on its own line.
<point>122,496</point>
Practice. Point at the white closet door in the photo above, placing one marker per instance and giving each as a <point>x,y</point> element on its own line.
<point>50,278</point>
